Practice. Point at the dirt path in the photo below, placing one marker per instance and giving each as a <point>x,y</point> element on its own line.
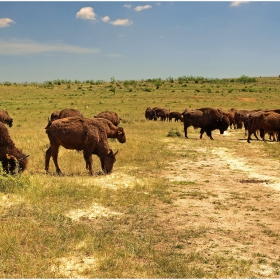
<point>230,205</point>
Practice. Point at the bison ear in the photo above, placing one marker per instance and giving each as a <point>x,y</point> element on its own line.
<point>110,152</point>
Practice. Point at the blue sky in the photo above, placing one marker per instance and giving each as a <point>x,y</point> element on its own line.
<point>41,41</point>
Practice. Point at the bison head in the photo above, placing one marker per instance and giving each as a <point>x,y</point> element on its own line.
<point>107,162</point>
<point>223,124</point>
<point>121,135</point>
<point>12,163</point>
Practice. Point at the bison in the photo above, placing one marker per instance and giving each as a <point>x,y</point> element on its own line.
<point>150,114</point>
<point>65,113</point>
<point>163,114</point>
<point>10,156</point>
<point>175,115</point>
<point>231,116</point>
<point>80,134</point>
<point>111,130</point>
<point>5,118</point>
<point>270,124</point>
<point>208,119</point>
<point>254,121</point>
<point>111,116</point>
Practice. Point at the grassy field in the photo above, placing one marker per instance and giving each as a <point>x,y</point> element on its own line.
<point>172,207</point>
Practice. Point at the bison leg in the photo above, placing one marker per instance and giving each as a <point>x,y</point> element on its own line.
<point>54,154</point>
<point>209,133</point>
<point>47,159</point>
<point>88,159</point>
<point>201,132</point>
<point>186,130</point>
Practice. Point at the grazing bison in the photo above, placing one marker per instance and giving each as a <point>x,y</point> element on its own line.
<point>208,119</point>
<point>5,118</point>
<point>150,114</point>
<point>80,134</point>
<point>111,130</point>
<point>175,115</point>
<point>111,116</point>
<point>10,156</point>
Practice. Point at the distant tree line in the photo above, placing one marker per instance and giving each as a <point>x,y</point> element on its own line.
<point>157,81</point>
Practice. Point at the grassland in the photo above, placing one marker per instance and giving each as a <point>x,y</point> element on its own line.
<point>172,208</point>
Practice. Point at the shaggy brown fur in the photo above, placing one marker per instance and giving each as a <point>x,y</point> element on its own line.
<point>5,118</point>
<point>66,113</point>
<point>208,119</point>
<point>150,114</point>
<point>175,115</point>
<point>163,114</point>
<point>111,116</point>
<point>10,156</point>
<point>54,115</point>
<point>80,134</point>
<point>111,130</point>
<point>270,124</point>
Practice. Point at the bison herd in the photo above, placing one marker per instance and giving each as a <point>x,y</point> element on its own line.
<point>208,119</point>
<point>70,129</point>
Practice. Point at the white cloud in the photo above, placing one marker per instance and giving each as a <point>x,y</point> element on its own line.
<point>237,3</point>
<point>105,19</point>
<point>86,13</point>
<point>141,8</point>
<point>5,22</point>
<point>127,6</point>
<point>26,48</point>
<point>123,22</point>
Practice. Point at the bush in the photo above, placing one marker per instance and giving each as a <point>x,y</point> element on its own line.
<point>174,133</point>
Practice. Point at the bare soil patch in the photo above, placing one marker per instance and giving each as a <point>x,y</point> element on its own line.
<point>229,205</point>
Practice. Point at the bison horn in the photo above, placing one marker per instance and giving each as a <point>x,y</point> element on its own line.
<point>116,152</point>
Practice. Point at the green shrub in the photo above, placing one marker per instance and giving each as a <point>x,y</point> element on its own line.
<point>174,133</point>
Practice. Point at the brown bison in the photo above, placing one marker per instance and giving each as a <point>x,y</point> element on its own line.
<point>5,118</point>
<point>111,130</point>
<point>150,114</point>
<point>80,134</point>
<point>176,116</point>
<point>111,116</point>
<point>163,114</point>
<point>254,121</point>
<point>208,119</point>
<point>65,113</point>
<point>270,124</point>
<point>231,116</point>
<point>10,156</point>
